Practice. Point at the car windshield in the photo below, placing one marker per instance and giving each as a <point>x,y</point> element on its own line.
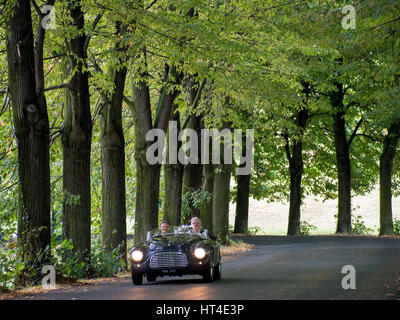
<point>175,230</point>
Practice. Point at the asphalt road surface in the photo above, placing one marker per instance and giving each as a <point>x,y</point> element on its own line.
<point>301,268</point>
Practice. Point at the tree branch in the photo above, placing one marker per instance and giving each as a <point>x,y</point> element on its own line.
<point>369,137</point>
<point>37,9</point>
<point>95,22</point>
<point>287,149</point>
<point>61,86</point>
<point>355,131</point>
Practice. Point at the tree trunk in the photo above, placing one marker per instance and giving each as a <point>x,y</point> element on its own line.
<point>146,191</point>
<point>296,174</point>
<point>221,194</point>
<point>148,176</point>
<point>173,193</point>
<point>206,210</point>
<point>76,141</point>
<point>221,201</point>
<point>385,179</point>
<point>32,133</point>
<point>113,169</point>
<point>193,173</point>
<point>343,163</point>
<point>242,204</point>
<point>173,175</point>
<point>147,198</point>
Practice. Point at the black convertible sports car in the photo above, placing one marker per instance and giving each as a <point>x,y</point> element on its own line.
<point>175,254</point>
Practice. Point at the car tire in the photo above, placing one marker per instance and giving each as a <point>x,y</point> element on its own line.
<point>137,278</point>
<point>217,271</point>
<point>151,277</point>
<point>208,276</point>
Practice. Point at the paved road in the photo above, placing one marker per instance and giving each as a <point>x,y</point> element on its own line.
<point>301,268</point>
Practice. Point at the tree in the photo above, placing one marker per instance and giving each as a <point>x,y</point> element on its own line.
<point>173,175</point>
<point>77,137</point>
<point>113,157</point>
<point>385,178</point>
<point>148,174</point>
<point>295,159</point>
<point>26,84</point>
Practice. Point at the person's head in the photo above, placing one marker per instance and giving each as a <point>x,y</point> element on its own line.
<point>164,226</point>
<point>196,224</point>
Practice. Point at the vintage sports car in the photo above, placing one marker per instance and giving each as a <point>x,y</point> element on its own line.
<point>175,254</point>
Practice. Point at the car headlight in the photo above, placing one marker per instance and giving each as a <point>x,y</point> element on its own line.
<point>199,253</point>
<point>137,255</point>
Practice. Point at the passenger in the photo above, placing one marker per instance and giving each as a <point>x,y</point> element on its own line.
<point>164,227</point>
<point>197,230</point>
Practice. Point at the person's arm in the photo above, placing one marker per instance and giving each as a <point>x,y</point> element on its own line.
<point>212,237</point>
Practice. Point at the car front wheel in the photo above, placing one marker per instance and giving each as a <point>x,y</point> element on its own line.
<point>217,271</point>
<point>208,276</point>
<point>137,278</point>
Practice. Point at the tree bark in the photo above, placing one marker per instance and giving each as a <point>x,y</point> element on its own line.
<point>221,195</point>
<point>173,175</point>
<point>385,179</point>
<point>147,190</point>
<point>192,176</point>
<point>148,176</point>
<point>242,198</point>
<point>113,169</point>
<point>206,210</point>
<point>242,204</point>
<point>343,162</point>
<point>296,174</point>
<point>76,141</point>
<point>32,133</point>
<point>221,201</point>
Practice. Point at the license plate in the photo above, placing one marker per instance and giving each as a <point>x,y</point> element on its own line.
<point>168,271</point>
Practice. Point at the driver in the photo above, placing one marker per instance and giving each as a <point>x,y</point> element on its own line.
<point>197,230</point>
<point>164,228</point>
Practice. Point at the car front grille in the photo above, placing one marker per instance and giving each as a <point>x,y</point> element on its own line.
<point>168,260</point>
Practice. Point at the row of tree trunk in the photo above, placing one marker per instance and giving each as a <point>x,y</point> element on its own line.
<point>342,147</point>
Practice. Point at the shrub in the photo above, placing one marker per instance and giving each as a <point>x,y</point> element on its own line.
<point>396,227</point>
<point>67,263</point>
<point>359,227</point>
<point>10,268</point>
<point>306,228</point>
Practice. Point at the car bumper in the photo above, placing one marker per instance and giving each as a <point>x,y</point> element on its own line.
<point>193,267</point>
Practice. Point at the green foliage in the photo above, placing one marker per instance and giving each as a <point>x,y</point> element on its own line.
<point>359,227</point>
<point>252,230</point>
<point>194,199</point>
<point>306,228</point>
<point>67,263</point>
<point>10,267</point>
<point>99,263</point>
<point>396,227</point>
